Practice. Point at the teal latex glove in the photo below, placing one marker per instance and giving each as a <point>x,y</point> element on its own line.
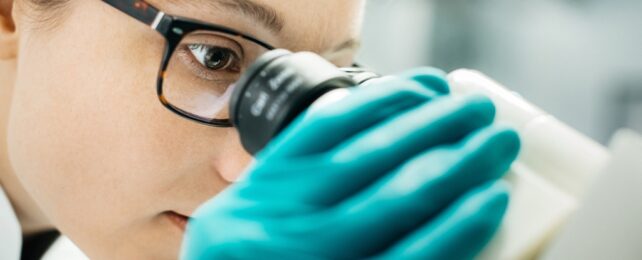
<point>397,170</point>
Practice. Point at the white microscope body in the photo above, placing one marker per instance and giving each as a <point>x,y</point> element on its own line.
<point>556,166</point>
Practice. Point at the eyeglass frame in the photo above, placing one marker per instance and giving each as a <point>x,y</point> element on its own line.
<point>173,28</point>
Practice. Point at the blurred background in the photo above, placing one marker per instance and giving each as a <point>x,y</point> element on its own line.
<point>580,60</point>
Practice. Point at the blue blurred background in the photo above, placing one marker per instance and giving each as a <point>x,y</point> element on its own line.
<point>580,60</point>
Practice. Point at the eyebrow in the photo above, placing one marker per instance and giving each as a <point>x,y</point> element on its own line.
<point>267,16</point>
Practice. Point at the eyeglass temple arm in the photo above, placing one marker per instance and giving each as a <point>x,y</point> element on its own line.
<point>140,10</point>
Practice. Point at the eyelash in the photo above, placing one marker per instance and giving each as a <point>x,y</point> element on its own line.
<point>187,55</point>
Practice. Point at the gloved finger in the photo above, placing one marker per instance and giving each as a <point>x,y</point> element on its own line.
<point>424,185</point>
<point>379,150</point>
<point>433,78</point>
<point>459,232</point>
<point>365,107</point>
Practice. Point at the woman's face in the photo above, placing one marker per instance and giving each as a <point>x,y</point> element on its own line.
<point>93,146</point>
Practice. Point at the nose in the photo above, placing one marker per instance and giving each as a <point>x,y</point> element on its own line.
<point>233,159</point>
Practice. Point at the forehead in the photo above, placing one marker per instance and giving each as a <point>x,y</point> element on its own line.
<point>293,24</point>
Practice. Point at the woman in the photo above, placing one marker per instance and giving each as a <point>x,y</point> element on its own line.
<point>84,73</point>
<point>116,151</point>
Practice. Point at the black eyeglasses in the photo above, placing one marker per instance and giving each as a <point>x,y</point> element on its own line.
<point>200,64</point>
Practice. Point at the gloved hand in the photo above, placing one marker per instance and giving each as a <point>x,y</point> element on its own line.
<point>397,170</point>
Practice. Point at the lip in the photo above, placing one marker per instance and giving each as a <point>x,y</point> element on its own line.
<point>179,220</point>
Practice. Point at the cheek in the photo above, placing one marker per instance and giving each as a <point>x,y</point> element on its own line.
<point>89,138</point>
<point>73,134</point>
<point>93,145</point>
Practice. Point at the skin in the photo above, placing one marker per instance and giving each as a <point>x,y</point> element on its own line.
<point>86,146</point>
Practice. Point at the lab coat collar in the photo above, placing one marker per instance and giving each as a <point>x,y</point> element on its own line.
<point>11,235</point>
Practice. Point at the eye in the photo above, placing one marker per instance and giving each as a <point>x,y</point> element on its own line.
<point>215,58</point>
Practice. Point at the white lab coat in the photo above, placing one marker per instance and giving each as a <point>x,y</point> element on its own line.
<point>11,237</point>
